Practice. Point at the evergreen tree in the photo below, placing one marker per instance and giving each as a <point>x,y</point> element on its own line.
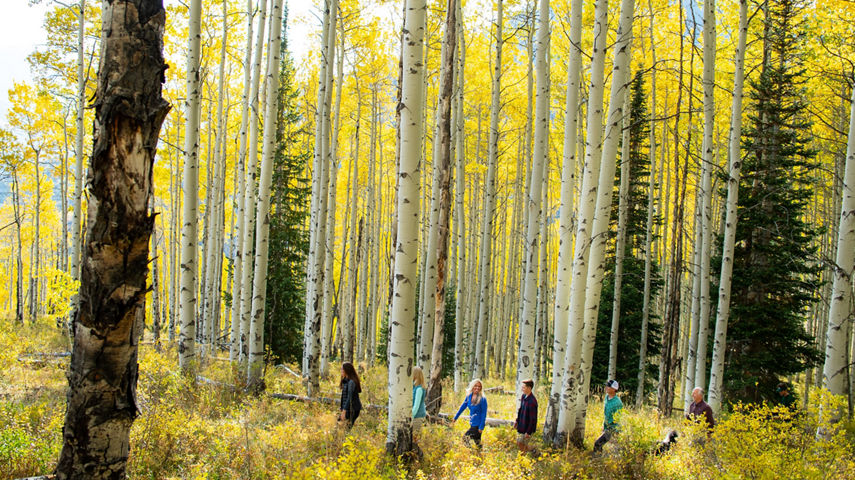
<point>288,235</point>
<point>775,273</point>
<point>632,287</point>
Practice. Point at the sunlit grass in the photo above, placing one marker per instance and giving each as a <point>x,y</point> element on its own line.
<point>197,430</point>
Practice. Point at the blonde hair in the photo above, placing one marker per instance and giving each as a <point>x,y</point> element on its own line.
<point>475,399</point>
<point>418,376</point>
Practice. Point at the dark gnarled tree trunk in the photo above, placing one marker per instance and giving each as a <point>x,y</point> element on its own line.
<point>129,110</point>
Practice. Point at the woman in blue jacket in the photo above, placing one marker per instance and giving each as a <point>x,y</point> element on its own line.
<point>476,402</point>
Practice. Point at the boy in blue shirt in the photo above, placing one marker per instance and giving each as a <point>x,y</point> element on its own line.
<point>611,405</point>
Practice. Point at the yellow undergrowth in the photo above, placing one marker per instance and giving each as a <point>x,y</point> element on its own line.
<point>189,430</point>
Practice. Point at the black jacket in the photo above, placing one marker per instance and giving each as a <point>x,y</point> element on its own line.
<point>350,397</point>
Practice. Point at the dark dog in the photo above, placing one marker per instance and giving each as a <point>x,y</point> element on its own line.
<point>666,443</point>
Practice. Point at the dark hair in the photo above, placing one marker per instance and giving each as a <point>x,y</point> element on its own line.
<point>350,374</point>
<point>528,383</point>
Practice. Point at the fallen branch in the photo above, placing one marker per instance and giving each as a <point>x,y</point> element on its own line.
<point>48,354</point>
<point>285,367</point>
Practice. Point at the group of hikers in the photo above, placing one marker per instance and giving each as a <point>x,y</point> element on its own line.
<point>526,419</point>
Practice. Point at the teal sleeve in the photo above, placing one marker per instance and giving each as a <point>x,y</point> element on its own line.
<point>417,401</point>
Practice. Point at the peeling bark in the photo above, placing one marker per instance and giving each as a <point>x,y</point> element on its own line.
<point>129,110</point>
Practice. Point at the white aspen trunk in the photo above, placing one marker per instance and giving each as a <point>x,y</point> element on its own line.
<point>348,321</point>
<point>648,236</point>
<point>213,274</point>
<point>620,242</point>
<point>262,222</point>
<point>565,229</point>
<point>189,233</point>
<point>442,168</point>
<point>427,310</point>
<point>35,271</point>
<point>571,376</point>
<point>706,211</point>
<point>399,438</point>
<point>19,284</point>
<point>459,213</point>
<point>249,200</point>
<point>543,287</point>
<point>78,161</point>
<point>174,246</point>
<point>373,260</point>
<point>599,232</point>
<point>155,287</point>
<point>723,312</point>
<point>692,350</point>
<point>240,193</point>
<point>834,371</point>
<point>320,178</point>
<point>331,169</point>
<point>484,258</point>
<point>540,156</point>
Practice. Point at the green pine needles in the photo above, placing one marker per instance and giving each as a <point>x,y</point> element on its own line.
<point>775,268</point>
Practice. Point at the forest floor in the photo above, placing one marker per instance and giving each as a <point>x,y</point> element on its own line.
<point>197,430</point>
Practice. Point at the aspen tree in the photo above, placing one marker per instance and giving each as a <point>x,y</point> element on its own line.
<point>599,232</point>
<point>728,244</point>
<point>211,287</point>
<point>331,171</point>
<point>540,156</point>
<point>320,175</point>
<point>102,375</point>
<point>459,213</point>
<point>348,320</point>
<point>78,160</point>
<point>262,221</point>
<point>707,160</point>
<point>566,213</point>
<point>839,314</point>
<point>399,438</point>
<point>484,258</point>
<point>249,199</point>
<point>571,376</point>
<point>240,193</point>
<point>189,233</point>
<point>443,168</point>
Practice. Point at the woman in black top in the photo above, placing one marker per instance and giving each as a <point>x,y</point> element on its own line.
<point>350,389</point>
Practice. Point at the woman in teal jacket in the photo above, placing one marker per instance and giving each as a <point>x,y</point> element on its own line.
<point>418,400</point>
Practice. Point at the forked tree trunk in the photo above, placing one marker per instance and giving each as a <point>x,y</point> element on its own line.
<point>571,375</point>
<point>565,230</point>
<point>129,110</point>
<point>599,232</point>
